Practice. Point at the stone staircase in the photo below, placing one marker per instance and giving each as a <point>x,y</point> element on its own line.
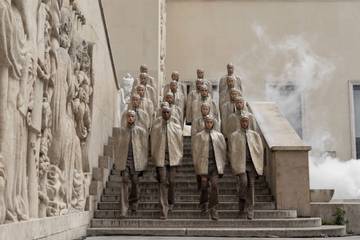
<point>186,219</point>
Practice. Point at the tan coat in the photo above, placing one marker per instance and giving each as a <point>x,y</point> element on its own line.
<point>225,112</point>
<point>237,151</point>
<point>142,119</point>
<point>200,151</point>
<point>175,113</point>
<point>180,101</point>
<point>193,96</point>
<point>158,139</point>
<point>233,122</point>
<point>181,88</point>
<point>196,109</point>
<point>223,84</point>
<point>139,144</point>
<point>199,124</point>
<point>150,82</point>
<point>148,107</point>
<point>150,94</point>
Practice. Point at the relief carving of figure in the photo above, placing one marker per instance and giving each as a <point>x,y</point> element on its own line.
<point>2,191</point>
<point>16,76</point>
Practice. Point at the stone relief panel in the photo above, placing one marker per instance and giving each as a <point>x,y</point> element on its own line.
<point>46,89</point>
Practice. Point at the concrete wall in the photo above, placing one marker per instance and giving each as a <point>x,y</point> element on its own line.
<point>105,91</point>
<point>327,212</point>
<point>134,34</point>
<point>71,226</point>
<point>253,35</point>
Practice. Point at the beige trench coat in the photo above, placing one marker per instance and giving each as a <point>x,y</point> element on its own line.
<point>150,94</point>
<point>148,107</point>
<point>193,96</point>
<point>195,109</point>
<point>200,151</point>
<point>237,151</point>
<point>233,122</point>
<point>142,119</point>
<point>223,84</point>
<point>199,124</point>
<point>139,144</point>
<point>158,139</point>
<point>181,88</point>
<point>150,82</point>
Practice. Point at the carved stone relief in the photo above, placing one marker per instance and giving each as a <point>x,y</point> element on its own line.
<point>46,88</point>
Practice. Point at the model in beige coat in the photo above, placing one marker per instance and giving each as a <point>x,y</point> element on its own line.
<point>166,153</point>
<point>209,156</point>
<point>131,158</point>
<point>246,158</point>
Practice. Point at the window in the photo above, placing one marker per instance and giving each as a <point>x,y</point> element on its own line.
<point>356,118</point>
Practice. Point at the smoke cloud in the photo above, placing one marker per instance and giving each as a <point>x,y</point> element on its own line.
<point>298,70</point>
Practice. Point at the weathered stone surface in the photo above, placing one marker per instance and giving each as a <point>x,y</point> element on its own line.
<point>50,106</point>
<point>71,226</point>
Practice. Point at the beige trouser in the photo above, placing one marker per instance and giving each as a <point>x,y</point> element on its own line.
<point>166,176</point>
<point>246,190</point>
<point>125,198</point>
<point>209,182</point>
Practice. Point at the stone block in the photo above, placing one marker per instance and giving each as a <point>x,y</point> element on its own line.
<point>327,210</point>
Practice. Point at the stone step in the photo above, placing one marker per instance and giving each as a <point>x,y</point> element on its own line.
<point>323,231</point>
<point>184,179</point>
<point>183,185</point>
<point>187,198</point>
<point>185,206</point>
<point>184,170</point>
<point>195,214</point>
<point>204,223</point>
<point>182,191</point>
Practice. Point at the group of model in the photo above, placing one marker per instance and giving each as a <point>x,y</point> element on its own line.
<point>216,136</point>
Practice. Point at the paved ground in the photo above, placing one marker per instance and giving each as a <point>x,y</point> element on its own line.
<point>211,238</point>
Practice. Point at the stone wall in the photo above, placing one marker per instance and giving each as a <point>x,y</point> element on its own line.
<point>209,34</point>
<point>57,105</point>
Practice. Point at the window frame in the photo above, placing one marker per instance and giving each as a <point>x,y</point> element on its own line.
<point>352,83</point>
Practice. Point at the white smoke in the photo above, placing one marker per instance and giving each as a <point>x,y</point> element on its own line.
<point>291,69</point>
<point>332,173</point>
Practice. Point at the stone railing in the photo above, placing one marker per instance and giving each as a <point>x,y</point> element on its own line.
<point>286,159</point>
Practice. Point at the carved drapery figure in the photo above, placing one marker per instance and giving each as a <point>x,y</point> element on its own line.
<point>56,192</point>
<point>15,91</point>
<point>44,161</point>
<point>44,112</point>
<point>2,191</point>
<point>125,92</point>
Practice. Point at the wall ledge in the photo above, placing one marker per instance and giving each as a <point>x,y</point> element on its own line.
<point>70,226</point>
